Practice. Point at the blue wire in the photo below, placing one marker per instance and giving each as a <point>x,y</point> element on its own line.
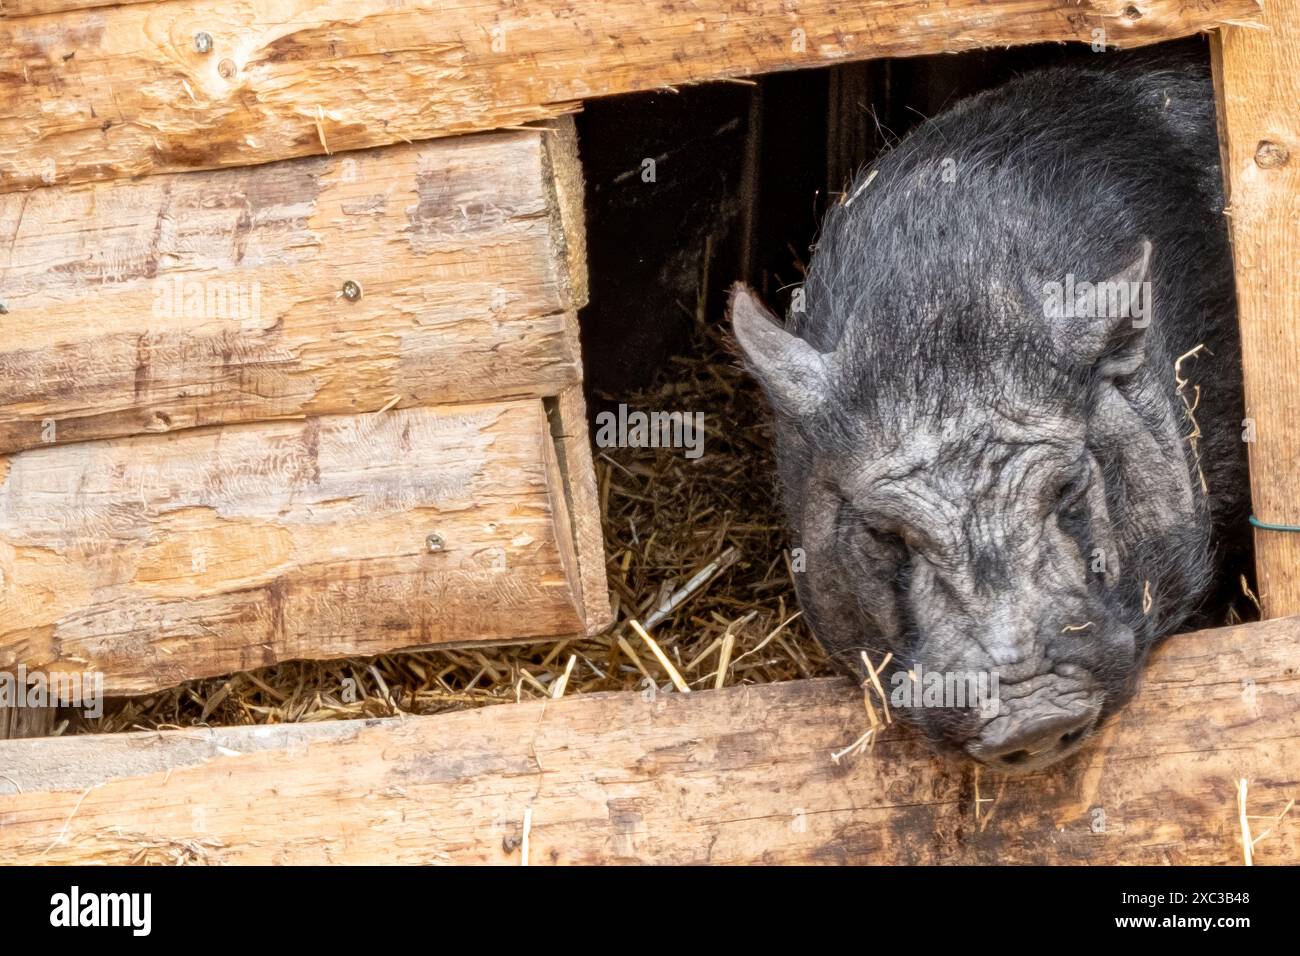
<point>1273,527</point>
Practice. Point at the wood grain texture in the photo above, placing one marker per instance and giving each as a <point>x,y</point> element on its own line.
<point>195,299</point>
<point>742,775</point>
<point>121,91</point>
<point>1258,78</point>
<point>158,559</point>
<point>31,8</point>
<point>568,416</point>
<point>566,185</point>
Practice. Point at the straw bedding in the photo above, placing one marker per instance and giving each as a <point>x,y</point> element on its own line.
<point>705,532</point>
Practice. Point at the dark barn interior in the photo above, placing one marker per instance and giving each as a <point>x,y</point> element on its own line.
<point>743,174</point>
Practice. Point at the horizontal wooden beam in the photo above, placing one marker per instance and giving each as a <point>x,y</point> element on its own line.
<point>193,84</point>
<point>158,559</point>
<point>742,775</point>
<point>32,8</point>
<point>185,300</point>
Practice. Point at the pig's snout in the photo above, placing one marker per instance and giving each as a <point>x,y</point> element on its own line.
<point>1039,723</point>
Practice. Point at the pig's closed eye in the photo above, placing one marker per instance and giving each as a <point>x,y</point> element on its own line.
<point>885,544</point>
<point>888,539</point>
<point>1072,501</point>
<point>864,529</point>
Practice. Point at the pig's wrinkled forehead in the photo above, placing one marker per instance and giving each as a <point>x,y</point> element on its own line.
<point>1012,389</point>
<point>974,450</point>
<point>933,325</point>
<point>939,362</point>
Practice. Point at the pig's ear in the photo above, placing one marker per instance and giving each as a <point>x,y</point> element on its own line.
<point>795,376</point>
<point>1115,339</point>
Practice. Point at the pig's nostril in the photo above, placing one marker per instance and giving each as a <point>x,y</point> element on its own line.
<point>1072,736</point>
<point>1030,740</point>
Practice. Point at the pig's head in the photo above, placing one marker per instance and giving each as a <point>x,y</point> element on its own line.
<point>987,493</point>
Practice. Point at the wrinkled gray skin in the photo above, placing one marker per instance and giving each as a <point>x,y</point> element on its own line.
<point>954,463</point>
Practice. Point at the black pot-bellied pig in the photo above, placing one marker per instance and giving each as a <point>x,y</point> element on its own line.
<point>983,408</point>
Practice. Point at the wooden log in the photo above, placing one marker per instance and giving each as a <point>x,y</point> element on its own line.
<point>122,91</point>
<point>196,299</point>
<point>159,559</point>
<point>1257,72</point>
<point>31,8</point>
<point>742,775</point>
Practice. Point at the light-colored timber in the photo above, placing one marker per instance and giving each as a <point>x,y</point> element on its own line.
<point>741,775</point>
<point>203,298</point>
<point>31,8</point>
<point>158,559</point>
<point>120,91</point>
<point>1258,83</point>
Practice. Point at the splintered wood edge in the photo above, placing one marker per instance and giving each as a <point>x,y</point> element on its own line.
<point>568,421</point>
<point>564,530</point>
<point>562,172</point>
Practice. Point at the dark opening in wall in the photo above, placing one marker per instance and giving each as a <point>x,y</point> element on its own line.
<point>690,190</point>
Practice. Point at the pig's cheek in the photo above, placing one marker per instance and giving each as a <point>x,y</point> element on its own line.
<point>871,600</point>
<point>1105,545</point>
<point>818,535</point>
<point>883,612</point>
<point>933,605</point>
<point>830,580</point>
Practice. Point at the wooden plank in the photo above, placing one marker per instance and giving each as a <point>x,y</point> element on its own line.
<point>568,415</point>
<point>125,90</point>
<point>742,775</point>
<point>1258,77</point>
<point>31,8</point>
<point>159,559</point>
<point>203,298</point>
